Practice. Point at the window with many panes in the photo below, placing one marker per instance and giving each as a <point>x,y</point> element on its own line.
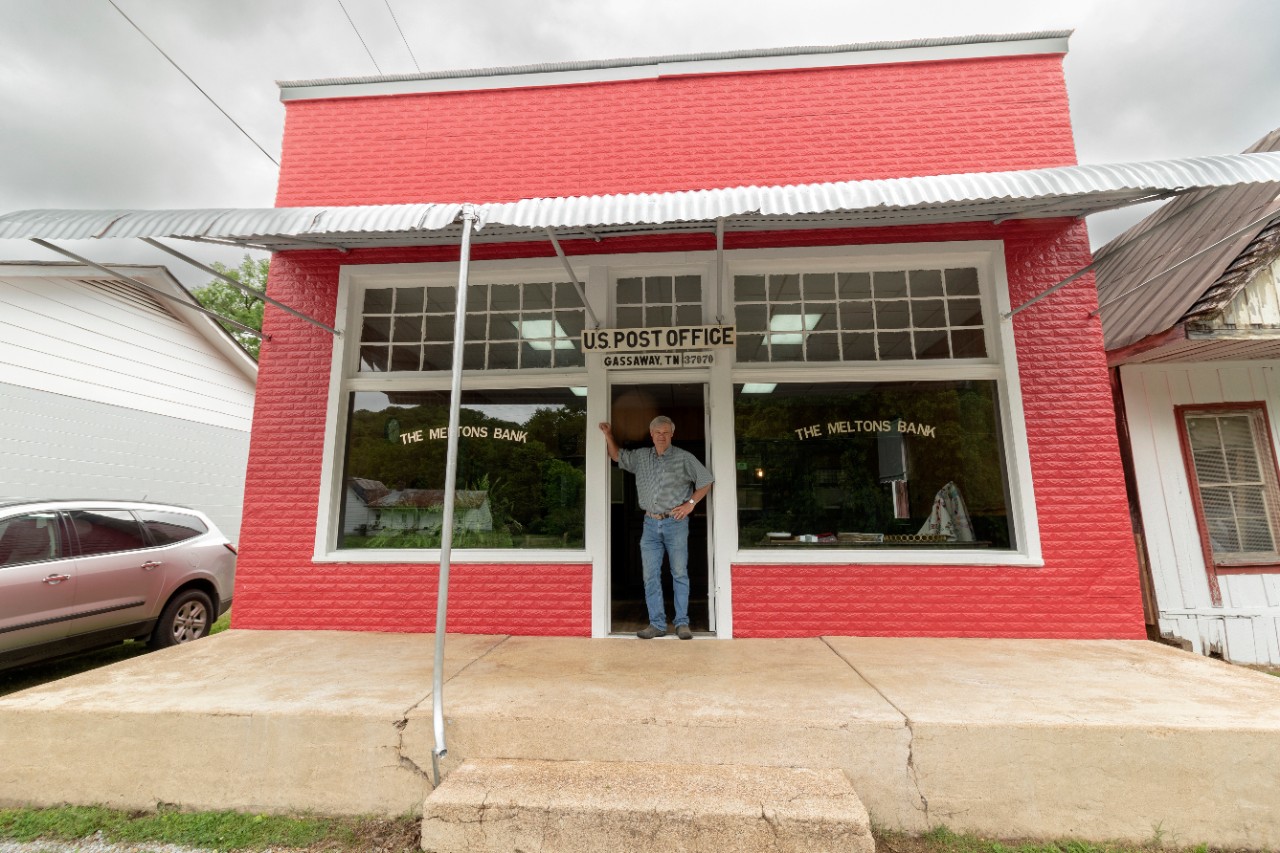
<point>521,445</point>
<point>882,315</point>
<point>508,327</point>
<point>658,300</point>
<point>1234,482</point>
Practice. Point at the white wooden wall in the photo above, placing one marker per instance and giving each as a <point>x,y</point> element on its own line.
<point>64,337</point>
<point>1246,628</point>
<point>108,394</point>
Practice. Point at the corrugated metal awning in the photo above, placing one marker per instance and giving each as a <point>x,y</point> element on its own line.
<point>1072,191</point>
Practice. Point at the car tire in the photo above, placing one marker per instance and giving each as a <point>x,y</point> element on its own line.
<point>188,616</point>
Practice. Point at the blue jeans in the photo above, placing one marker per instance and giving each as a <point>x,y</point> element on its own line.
<point>672,537</point>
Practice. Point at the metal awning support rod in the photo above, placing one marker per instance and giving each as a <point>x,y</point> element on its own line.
<point>1270,214</point>
<point>238,285</point>
<point>1050,209</point>
<point>1116,249</point>
<point>720,270</point>
<point>582,294</point>
<point>450,490</point>
<point>155,291</point>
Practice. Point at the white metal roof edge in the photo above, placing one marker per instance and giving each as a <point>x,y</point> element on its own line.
<point>645,68</point>
<point>1026,192</point>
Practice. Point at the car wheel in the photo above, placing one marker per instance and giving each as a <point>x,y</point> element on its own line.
<point>188,616</point>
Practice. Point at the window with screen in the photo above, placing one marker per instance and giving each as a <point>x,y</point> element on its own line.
<point>1234,482</point>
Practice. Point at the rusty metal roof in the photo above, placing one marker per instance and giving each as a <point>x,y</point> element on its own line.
<point>1141,271</point>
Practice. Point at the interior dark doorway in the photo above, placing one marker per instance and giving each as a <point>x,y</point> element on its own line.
<point>632,408</point>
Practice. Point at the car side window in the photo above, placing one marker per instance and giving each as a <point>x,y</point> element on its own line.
<point>169,527</point>
<point>30,539</point>
<point>107,531</point>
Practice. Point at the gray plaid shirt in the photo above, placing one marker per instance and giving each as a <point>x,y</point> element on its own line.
<point>664,482</point>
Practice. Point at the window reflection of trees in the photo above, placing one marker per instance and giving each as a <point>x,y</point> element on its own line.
<point>510,494</point>
<point>832,482</point>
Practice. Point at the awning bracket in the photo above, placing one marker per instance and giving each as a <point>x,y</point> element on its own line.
<point>154,291</point>
<point>240,286</point>
<point>582,294</point>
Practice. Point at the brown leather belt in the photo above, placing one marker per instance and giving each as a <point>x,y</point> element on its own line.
<point>658,515</point>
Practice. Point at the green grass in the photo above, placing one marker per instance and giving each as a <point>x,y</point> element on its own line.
<point>222,830</point>
<point>236,831</point>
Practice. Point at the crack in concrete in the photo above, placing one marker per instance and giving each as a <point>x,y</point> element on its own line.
<point>923,802</point>
<point>402,723</point>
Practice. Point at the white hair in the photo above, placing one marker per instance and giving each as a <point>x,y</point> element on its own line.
<point>662,420</point>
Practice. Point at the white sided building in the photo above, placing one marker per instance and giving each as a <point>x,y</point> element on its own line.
<point>108,390</point>
<point>1190,304</point>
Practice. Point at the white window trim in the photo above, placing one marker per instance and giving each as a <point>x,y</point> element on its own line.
<point>1000,365</point>
<point>343,378</point>
<point>599,274</point>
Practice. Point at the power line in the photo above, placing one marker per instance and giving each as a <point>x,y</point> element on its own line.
<point>402,38</point>
<point>357,29</point>
<point>193,83</point>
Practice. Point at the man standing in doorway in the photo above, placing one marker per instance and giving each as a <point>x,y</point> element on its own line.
<point>669,482</point>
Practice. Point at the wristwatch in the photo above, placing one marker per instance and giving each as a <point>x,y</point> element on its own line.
<point>692,502</point>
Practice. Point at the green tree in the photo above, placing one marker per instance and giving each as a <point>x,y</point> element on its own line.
<point>235,304</point>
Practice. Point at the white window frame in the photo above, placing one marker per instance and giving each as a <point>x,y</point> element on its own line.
<point>599,274</point>
<point>344,378</point>
<point>1000,365</point>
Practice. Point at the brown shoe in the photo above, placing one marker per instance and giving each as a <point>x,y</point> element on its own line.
<point>683,632</point>
<point>650,631</point>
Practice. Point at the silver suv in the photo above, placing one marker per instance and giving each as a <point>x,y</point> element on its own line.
<point>76,575</point>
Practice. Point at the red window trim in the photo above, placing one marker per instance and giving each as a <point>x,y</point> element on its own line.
<point>1214,568</point>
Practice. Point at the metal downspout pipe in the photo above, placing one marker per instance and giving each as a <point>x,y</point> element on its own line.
<point>450,488</point>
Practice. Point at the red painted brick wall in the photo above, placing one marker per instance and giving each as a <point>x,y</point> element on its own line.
<point>1088,587</point>
<point>683,133</point>
<point>278,585</point>
<point>679,133</point>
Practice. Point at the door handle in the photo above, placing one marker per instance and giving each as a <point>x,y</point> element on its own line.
<point>54,580</point>
<point>149,565</point>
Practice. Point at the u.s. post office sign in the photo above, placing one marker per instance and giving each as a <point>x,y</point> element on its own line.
<point>658,339</point>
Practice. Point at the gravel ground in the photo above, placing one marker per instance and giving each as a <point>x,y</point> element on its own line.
<point>93,845</point>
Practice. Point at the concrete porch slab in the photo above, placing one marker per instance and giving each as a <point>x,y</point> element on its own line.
<point>781,703</point>
<point>1033,737</point>
<point>249,720</point>
<point>1100,739</point>
<point>496,806</point>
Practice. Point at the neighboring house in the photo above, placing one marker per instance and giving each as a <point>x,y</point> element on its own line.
<point>371,508</point>
<point>1191,315</point>
<point>109,391</point>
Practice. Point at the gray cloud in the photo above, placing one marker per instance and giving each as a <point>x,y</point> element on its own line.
<point>95,118</point>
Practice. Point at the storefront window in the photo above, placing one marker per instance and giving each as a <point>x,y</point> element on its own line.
<point>521,469</point>
<point>893,315</point>
<point>508,327</point>
<point>871,465</point>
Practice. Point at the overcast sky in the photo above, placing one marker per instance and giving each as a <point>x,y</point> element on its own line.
<point>94,117</point>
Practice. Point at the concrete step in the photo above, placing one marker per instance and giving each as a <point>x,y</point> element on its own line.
<point>589,807</point>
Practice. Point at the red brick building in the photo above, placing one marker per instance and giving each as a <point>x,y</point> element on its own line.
<point>894,454</point>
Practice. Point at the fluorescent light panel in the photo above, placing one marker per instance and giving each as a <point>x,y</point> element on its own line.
<point>537,334</point>
<point>790,328</point>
